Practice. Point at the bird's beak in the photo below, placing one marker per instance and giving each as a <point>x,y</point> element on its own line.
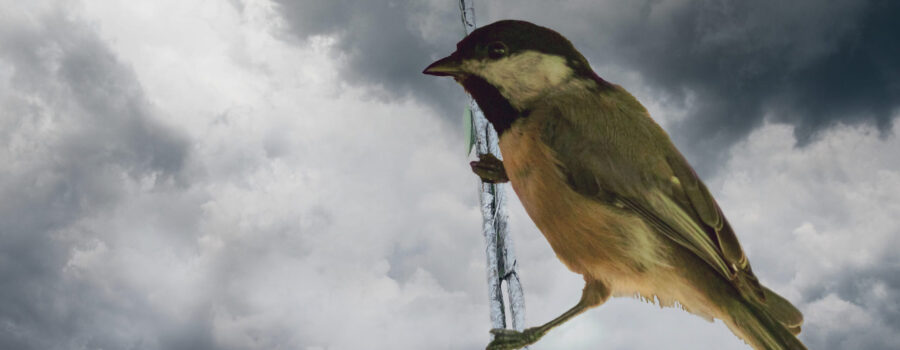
<point>447,66</point>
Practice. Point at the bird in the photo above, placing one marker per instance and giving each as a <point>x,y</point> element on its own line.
<point>607,188</point>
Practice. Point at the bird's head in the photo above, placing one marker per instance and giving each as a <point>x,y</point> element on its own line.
<point>514,60</point>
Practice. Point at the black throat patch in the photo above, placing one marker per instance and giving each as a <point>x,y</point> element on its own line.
<point>496,108</point>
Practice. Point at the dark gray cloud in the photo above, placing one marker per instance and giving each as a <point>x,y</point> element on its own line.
<point>728,64</point>
<point>734,63</point>
<point>76,128</point>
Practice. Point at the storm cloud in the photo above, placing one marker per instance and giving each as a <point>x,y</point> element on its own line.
<point>76,131</point>
<point>726,66</point>
<point>384,45</point>
<point>734,64</point>
<point>250,174</point>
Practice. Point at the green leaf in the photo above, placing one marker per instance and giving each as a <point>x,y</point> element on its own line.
<point>469,121</point>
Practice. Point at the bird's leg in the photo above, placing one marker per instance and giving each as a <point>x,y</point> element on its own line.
<point>489,169</point>
<point>594,294</point>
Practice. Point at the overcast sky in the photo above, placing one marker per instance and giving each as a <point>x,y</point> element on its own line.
<point>273,174</point>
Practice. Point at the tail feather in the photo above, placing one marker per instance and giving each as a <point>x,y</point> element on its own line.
<point>783,311</point>
<point>762,329</point>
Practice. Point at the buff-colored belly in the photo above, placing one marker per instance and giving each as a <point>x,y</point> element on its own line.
<point>591,238</point>
<point>596,240</point>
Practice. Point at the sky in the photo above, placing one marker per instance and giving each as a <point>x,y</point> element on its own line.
<point>273,174</point>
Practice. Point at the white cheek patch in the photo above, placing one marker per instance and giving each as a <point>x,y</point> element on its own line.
<point>522,76</point>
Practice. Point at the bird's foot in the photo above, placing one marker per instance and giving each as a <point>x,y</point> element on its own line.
<point>489,169</point>
<point>507,339</point>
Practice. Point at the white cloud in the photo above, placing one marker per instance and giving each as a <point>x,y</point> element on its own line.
<point>819,225</point>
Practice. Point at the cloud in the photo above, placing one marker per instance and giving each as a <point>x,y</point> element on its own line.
<point>77,130</point>
<point>817,223</point>
<point>276,215</point>
<point>734,64</point>
<point>180,175</point>
<point>385,45</point>
<point>724,66</point>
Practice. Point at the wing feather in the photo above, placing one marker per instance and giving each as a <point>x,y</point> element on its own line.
<point>639,168</point>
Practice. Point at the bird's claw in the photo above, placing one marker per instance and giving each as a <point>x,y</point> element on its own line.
<point>489,169</point>
<point>508,339</point>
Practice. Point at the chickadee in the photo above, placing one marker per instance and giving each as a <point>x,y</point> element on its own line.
<point>615,199</point>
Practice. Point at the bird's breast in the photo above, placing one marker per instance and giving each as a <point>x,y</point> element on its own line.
<point>588,236</point>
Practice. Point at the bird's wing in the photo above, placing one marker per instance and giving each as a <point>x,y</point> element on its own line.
<point>687,213</point>
<point>665,192</point>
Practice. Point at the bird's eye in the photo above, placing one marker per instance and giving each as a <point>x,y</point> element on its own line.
<point>497,50</point>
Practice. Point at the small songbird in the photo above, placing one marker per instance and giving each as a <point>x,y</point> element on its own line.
<point>615,199</point>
